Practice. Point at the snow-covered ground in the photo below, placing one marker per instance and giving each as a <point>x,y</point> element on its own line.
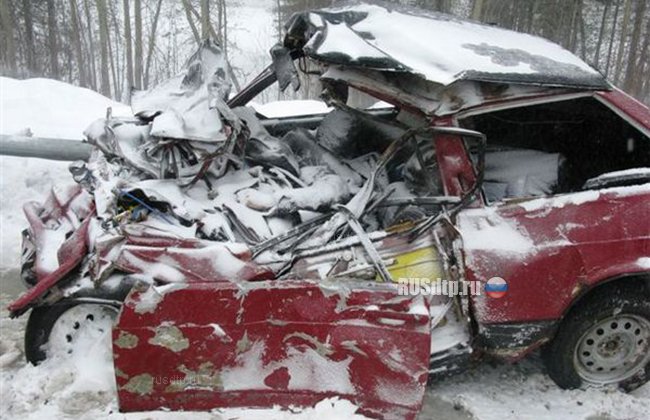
<point>83,387</point>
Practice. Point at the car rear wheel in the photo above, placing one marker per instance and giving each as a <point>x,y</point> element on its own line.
<point>64,327</point>
<point>605,341</point>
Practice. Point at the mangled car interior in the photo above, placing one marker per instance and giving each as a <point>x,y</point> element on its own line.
<point>199,200</point>
<point>557,147</point>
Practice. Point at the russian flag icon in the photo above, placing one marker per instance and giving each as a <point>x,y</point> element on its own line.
<point>496,287</point>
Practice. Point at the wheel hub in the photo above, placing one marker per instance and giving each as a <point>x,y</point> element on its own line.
<point>613,349</point>
<point>81,323</point>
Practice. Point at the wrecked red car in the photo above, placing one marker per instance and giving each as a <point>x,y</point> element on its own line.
<point>495,202</point>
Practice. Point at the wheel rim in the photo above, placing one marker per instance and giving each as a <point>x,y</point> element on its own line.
<point>613,349</point>
<point>79,327</point>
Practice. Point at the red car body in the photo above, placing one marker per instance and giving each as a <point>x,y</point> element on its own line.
<point>195,346</point>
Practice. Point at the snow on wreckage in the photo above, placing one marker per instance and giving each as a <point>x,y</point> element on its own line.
<point>253,259</point>
<point>194,207</point>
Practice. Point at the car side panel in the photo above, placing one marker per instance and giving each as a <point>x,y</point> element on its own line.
<point>551,250</point>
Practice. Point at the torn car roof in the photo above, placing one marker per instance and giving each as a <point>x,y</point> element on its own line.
<point>439,48</point>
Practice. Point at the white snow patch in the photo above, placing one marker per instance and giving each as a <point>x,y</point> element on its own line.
<point>49,108</point>
<point>306,367</point>
<point>625,172</point>
<point>644,262</point>
<point>582,197</point>
<point>293,108</point>
<point>485,229</point>
<point>561,200</point>
<point>446,49</point>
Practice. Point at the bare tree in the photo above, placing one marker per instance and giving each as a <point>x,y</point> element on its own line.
<point>128,46</point>
<point>190,20</point>
<point>601,34</point>
<point>583,36</point>
<point>640,77</point>
<point>477,10</point>
<point>152,44</point>
<point>621,45</point>
<point>52,35</point>
<point>75,38</point>
<point>91,45</point>
<point>224,32</point>
<point>611,36</point>
<point>30,48</point>
<point>575,20</point>
<point>103,47</point>
<point>113,53</point>
<point>8,35</point>
<point>137,58</point>
<point>205,19</point>
<point>639,14</point>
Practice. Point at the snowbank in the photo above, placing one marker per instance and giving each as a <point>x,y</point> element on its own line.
<point>47,108</point>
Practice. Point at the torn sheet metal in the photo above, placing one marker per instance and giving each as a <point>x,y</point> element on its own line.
<point>180,107</point>
<point>183,128</point>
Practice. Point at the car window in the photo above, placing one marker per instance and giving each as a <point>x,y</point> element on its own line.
<point>555,147</point>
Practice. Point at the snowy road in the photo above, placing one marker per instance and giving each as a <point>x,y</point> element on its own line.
<point>84,389</point>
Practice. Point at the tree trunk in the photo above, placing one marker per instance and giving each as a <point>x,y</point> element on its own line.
<point>190,20</point>
<point>621,44</point>
<point>583,41</point>
<point>611,37</point>
<point>30,50</point>
<point>279,19</point>
<point>220,17</point>
<point>103,47</point>
<point>113,54</point>
<point>442,6</point>
<point>639,14</point>
<point>573,33</point>
<point>224,31</point>
<point>76,41</point>
<point>152,43</point>
<point>205,19</point>
<point>10,46</point>
<point>51,37</point>
<point>601,34</point>
<point>137,58</point>
<point>477,10</point>
<point>641,76</point>
<point>530,16</point>
<point>129,51</point>
<point>91,46</point>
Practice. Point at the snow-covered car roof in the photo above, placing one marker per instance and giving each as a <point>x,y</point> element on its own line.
<point>439,48</point>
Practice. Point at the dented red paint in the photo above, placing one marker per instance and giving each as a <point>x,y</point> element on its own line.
<point>272,343</point>
<point>71,210</point>
<point>576,241</point>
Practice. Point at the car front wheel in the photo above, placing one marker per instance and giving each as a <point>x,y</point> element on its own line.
<point>604,341</point>
<point>65,327</point>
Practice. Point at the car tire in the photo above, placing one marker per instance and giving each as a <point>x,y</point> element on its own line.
<point>76,316</point>
<point>603,341</point>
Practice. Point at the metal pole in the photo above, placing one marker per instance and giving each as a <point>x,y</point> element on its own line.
<point>44,148</point>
